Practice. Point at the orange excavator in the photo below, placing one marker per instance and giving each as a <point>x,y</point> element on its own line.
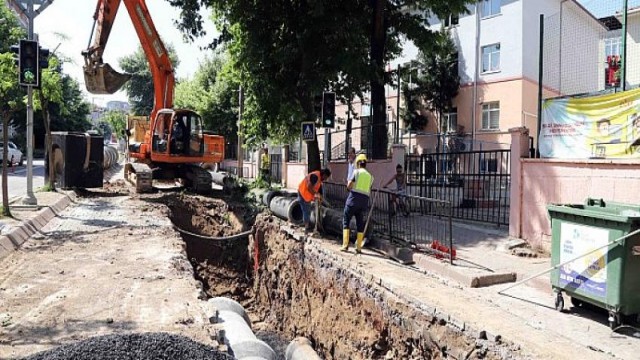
<point>174,142</point>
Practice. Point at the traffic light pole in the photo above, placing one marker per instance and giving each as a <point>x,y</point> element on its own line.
<point>29,198</point>
<point>27,7</point>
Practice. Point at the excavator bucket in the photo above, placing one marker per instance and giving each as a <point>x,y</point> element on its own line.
<point>102,79</point>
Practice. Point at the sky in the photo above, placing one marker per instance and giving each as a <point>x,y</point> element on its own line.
<point>601,8</point>
<point>74,19</point>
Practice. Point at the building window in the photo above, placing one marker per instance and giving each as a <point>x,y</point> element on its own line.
<point>491,58</point>
<point>491,116</point>
<point>451,20</point>
<point>490,7</point>
<point>612,47</point>
<point>450,122</point>
<point>488,165</point>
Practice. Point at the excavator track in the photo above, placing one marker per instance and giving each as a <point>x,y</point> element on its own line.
<point>198,180</point>
<point>140,175</point>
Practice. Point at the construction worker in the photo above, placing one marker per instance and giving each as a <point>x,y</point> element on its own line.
<point>265,166</point>
<point>357,202</point>
<point>308,190</point>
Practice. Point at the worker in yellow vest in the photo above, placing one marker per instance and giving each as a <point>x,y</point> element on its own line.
<point>359,187</point>
<point>265,166</point>
<point>309,190</point>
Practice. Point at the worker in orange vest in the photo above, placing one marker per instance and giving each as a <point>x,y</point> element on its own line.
<point>308,190</point>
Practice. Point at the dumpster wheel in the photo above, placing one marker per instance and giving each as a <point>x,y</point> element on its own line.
<point>559,302</point>
<point>615,320</point>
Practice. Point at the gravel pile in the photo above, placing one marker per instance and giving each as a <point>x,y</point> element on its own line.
<point>147,346</point>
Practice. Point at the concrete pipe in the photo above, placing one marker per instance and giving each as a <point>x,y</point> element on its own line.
<point>238,335</point>
<point>300,349</point>
<point>110,157</point>
<point>269,195</point>
<point>223,179</point>
<point>286,208</point>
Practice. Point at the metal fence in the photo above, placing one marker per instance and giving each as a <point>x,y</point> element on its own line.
<point>360,138</point>
<point>275,172</point>
<point>475,183</point>
<point>423,224</point>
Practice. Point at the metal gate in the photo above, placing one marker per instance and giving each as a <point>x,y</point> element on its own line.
<point>476,183</point>
<point>276,168</point>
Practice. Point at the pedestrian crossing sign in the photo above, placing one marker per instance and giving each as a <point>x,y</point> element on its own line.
<point>308,131</point>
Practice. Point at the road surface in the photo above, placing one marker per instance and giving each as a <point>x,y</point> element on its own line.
<point>17,179</point>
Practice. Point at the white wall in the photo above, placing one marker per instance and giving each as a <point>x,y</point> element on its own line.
<point>633,49</point>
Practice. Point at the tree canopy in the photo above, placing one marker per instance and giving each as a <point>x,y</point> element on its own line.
<point>286,52</point>
<point>140,87</point>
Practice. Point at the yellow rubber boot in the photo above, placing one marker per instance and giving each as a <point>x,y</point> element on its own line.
<point>359,242</point>
<point>345,240</point>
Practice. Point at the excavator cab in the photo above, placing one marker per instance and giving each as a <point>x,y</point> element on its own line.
<point>177,133</point>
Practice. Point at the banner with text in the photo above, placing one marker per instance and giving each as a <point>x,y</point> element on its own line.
<point>592,127</point>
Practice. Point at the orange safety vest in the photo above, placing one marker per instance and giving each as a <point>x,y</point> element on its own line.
<point>304,190</point>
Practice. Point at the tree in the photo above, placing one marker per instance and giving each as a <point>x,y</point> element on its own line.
<point>284,54</point>
<point>140,87</point>
<point>213,96</point>
<point>10,92</point>
<point>442,81</point>
<point>117,121</point>
<point>50,92</point>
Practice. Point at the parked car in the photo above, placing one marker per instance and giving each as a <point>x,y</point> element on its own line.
<point>14,153</point>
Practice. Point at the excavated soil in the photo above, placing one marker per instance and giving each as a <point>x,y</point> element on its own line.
<point>291,289</point>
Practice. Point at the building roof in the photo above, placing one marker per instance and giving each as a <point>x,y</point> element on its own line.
<point>611,22</point>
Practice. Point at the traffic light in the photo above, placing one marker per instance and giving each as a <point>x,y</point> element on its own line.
<point>328,109</point>
<point>28,67</point>
<point>43,58</point>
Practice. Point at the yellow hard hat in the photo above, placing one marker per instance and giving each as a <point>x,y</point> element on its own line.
<point>361,157</point>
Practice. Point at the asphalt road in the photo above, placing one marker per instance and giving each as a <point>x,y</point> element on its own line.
<point>17,179</point>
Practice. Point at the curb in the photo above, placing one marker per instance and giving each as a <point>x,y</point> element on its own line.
<point>12,240</point>
<point>467,280</point>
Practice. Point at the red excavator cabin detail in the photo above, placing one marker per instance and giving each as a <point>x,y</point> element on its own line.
<point>174,144</point>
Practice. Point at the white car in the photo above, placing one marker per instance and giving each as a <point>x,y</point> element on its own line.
<point>15,155</point>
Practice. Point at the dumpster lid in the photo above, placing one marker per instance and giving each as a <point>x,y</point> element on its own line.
<point>599,209</point>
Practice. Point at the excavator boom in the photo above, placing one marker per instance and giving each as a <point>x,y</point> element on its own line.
<point>101,78</point>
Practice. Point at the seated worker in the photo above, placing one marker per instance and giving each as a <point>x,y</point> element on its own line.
<point>178,144</point>
<point>310,189</point>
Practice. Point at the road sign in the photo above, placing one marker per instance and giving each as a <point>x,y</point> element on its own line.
<point>308,131</point>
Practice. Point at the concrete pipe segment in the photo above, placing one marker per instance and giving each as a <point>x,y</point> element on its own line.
<point>269,195</point>
<point>300,349</point>
<point>286,208</point>
<point>237,331</point>
<point>110,157</point>
<point>223,179</point>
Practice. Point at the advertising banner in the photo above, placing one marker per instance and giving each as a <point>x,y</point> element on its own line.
<point>588,273</point>
<point>591,127</point>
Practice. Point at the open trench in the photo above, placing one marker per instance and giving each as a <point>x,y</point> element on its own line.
<point>292,288</point>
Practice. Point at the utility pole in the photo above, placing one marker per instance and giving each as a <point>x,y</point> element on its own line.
<point>240,153</point>
<point>26,7</point>
<point>623,72</point>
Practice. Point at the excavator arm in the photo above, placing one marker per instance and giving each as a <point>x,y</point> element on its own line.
<point>101,78</point>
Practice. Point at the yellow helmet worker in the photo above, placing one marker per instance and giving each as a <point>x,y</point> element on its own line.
<point>357,202</point>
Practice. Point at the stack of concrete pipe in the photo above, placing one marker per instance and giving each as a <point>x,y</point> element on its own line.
<point>111,157</point>
<point>238,335</point>
<point>288,208</point>
<point>223,179</point>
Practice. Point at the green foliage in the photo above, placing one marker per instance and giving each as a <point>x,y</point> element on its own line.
<point>117,121</point>
<point>436,84</point>
<point>10,30</point>
<point>213,96</point>
<point>285,52</point>
<point>140,87</point>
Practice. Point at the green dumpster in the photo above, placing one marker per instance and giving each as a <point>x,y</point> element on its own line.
<point>608,278</point>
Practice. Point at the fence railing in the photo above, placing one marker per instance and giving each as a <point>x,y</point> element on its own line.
<point>360,138</point>
<point>275,172</point>
<point>476,183</point>
<point>422,223</point>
